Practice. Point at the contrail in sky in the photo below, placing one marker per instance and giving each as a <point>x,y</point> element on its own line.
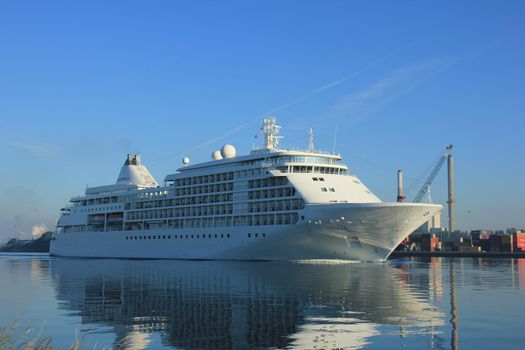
<point>329,86</point>
<point>289,104</point>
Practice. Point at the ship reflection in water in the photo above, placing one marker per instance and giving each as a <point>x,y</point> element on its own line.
<point>244,305</point>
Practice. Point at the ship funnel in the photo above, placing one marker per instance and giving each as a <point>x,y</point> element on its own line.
<point>134,173</point>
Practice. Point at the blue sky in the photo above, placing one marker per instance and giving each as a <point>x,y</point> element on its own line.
<point>84,83</point>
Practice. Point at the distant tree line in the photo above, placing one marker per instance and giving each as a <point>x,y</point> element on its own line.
<point>39,245</point>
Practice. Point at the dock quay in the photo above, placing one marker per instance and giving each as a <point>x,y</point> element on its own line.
<point>402,254</point>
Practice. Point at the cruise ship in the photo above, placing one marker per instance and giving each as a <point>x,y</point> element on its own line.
<point>272,204</point>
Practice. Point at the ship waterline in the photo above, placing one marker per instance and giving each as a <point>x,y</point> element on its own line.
<point>272,204</point>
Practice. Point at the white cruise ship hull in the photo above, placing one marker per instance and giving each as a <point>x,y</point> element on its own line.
<point>366,232</point>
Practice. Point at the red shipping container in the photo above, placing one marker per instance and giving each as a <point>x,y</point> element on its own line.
<point>519,237</point>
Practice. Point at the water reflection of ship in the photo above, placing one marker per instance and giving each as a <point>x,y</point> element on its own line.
<point>221,305</point>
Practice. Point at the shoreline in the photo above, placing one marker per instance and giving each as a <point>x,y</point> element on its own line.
<point>401,254</point>
<point>394,255</point>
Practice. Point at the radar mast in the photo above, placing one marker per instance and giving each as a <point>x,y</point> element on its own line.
<point>271,131</point>
<point>311,147</point>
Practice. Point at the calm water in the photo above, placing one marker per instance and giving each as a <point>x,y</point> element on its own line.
<point>439,303</point>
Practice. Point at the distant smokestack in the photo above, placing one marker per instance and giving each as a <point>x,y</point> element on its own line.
<point>451,200</point>
<point>400,197</point>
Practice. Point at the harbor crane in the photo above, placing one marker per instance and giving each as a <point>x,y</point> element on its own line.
<point>433,174</point>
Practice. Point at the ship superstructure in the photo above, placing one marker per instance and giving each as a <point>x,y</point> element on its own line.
<point>271,204</point>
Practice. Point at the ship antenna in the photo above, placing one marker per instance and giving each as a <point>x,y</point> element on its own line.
<point>311,147</point>
<point>335,137</point>
<point>271,131</point>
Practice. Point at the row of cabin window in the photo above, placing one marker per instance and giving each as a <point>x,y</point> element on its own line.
<point>246,220</point>
<point>268,182</point>
<point>204,179</point>
<point>98,209</point>
<point>187,191</point>
<point>276,205</point>
<point>302,159</point>
<point>190,181</point>
<point>93,201</point>
<point>316,169</point>
<point>92,227</point>
<point>75,228</point>
<point>243,220</point>
<point>222,235</point>
<point>225,197</point>
<point>266,219</point>
<point>272,193</point>
<point>217,198</point>
<point>181,212</point>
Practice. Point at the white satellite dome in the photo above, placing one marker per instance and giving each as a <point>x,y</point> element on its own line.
<point>228,151</point>
<point>185,160</point>
<point>216,155</point>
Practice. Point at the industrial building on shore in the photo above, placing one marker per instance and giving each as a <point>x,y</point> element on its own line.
<point>510,241</point>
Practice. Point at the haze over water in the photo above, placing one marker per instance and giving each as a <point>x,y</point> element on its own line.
<point>159,304</point>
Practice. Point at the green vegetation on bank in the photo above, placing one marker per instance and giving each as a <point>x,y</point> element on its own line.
<point>39,245</point>
<point>12,338</point>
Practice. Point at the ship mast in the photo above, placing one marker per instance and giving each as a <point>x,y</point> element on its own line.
<point>311,147</point>
<point>271,132</point>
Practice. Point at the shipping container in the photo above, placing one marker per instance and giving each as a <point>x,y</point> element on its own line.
<point>519,239</point>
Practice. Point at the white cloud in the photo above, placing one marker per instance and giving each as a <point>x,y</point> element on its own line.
<point>38,230</point>
<point>39,149</point>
